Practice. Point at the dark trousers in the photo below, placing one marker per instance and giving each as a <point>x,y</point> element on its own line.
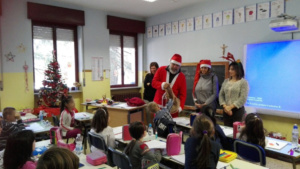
<point>237,115</point>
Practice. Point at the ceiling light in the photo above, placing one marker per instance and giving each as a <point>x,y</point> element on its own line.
<point>150,0</point>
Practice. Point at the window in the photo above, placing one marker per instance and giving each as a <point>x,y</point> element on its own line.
<point>62,40</point>
<point>123,60</point>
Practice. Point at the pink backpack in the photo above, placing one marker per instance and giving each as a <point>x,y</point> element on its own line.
<point>56,139</point>
<point>125,134</point>
<point>174,141</point>
<point>55,135</point>
<point>237,128</point>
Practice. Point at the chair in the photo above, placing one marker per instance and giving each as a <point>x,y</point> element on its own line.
<point>120,159</point>
<point>55,120</point>
<point>56,123</point>
<point>250,152</point>
<point>99,142</point>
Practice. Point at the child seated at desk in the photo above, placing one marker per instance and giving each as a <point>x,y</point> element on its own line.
<point>254,131</point>
<point>201,152</point>
<point>18,151</point>
<point>67,117</point>
<point>56,157</point>
<point>163,116</point>
<point>137,150</point>
<point>219,134</point>
<point>100,127</point>
<point>10,124</point>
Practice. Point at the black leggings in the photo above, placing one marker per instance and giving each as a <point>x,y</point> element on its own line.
<point>237,115</point>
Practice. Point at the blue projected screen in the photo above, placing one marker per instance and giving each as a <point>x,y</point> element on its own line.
<point>273,72</point>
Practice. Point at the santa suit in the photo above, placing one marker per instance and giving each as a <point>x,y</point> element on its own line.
<point>178,86</point>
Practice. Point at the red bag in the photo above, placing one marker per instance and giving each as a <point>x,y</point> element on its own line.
<point>135,101</point>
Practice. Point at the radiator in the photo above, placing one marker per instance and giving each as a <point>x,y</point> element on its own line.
<point>123,96</point>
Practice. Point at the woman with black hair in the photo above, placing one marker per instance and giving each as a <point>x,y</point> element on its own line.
<point>233,94</point>
<point>18,151</point>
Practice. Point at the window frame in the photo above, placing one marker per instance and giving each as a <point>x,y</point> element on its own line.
<point>134,35</point>
<point>54,28</point>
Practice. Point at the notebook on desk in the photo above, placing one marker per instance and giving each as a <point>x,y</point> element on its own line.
<point>153,144</point>
<point>276,144</point>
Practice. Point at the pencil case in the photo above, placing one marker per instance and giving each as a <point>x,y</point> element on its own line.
<point>227,156</point>
<point>96,158</point>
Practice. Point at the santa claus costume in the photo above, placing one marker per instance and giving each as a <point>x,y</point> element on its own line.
<point>177,83</point>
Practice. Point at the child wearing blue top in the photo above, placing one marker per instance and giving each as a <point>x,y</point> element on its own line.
<point>201,152</point>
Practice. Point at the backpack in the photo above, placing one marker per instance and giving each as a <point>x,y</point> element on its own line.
<point>55,135</point>
<point>164,126</point>
<point>135,101</point>
<point>125,133</point>
<point>174,141</point>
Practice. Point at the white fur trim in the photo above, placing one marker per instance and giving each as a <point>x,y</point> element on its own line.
<point>205,65</point>
<point>175,62</point>
<point>179,109</point>
<point>162,85</point>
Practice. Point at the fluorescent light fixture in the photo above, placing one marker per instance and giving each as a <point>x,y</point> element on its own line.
<point>150,0</point>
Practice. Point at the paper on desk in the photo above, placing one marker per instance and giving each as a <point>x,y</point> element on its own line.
<point>118,136</point>
<point>180,158</point>
<point>156,144</point>
<point>222,165</point>
<point>34,127</point>
<point>117,130</point>
<point>276,144</point>
<point>182,120</point>
<point>227,131</point>
<point>81,116</point>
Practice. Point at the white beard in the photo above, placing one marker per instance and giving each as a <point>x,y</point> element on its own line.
<point>173,72</point>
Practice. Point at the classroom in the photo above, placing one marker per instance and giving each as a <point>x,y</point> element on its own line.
<point>94,36</point>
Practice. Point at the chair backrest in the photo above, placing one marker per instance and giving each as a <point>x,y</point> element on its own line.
<point>55,120</point>
<point>97,141</point>
<point>120,159</point>
<point>251,152</point>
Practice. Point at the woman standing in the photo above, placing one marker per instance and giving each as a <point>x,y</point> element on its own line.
<point>233,94</point>
<point>206,86</point>
<point>149,91</point>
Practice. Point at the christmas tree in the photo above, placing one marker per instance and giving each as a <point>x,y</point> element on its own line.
<point>53,88</point>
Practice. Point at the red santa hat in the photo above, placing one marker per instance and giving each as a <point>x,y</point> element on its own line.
<point>205,63</point>
<point>176,59</point>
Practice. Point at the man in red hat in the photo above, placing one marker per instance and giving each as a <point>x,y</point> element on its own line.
<point>170,76</point>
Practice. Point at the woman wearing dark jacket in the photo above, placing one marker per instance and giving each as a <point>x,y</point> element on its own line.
<point>149,91</point>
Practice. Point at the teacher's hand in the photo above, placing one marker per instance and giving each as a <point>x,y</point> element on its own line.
<point>199,105</point>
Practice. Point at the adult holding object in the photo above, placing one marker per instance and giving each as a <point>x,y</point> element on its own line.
<point>233,94</point>
<point>206,86</point>
<point>172,76</point>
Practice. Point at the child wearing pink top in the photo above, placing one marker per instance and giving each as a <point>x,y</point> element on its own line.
<point>18,151</point>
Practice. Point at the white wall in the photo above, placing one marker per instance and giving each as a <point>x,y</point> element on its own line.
<point>205,44</point>
<point>16,29</point>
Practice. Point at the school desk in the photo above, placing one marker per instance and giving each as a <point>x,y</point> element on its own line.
<point>38,127</point>
<point>85,119</point>
<point>120,113</point>
<point>82,157</point>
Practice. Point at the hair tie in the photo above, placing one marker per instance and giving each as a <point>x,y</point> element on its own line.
<point>204,131</point>
<point>104,111</point>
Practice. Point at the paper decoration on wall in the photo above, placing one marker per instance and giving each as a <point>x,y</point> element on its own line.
<point>263,10</point>
<point>10,57</point>
<point>277,8</point>
<point>182,26</point>
<point>107,73</point>
<point>21,48</point>
<point>239,15</point>
<point>198,23</point>
<point>190,24</point>
<point>175,27</point>
<point>217,19</point>
<point>25,67</point>
<point>97,68</point>
<point>149,32</point>
<point>169,28</point>
<point>155,31</point>
<point>161,30</point>
<point>250,13</point>
<point>228,17</point>
<point>207,21</point>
